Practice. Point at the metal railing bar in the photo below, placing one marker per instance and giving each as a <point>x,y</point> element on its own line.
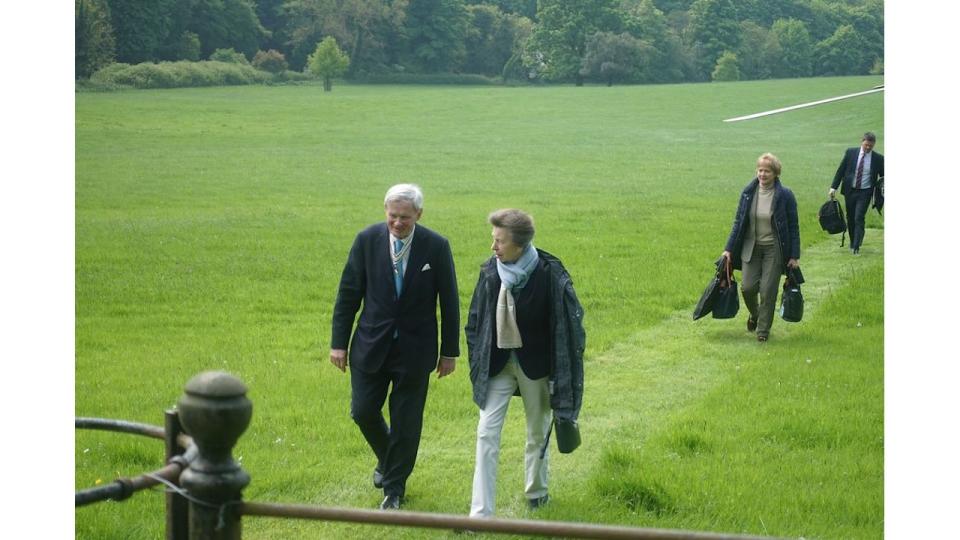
<point>123,488</point>
<point>464,523</point>
<point>123,426</point>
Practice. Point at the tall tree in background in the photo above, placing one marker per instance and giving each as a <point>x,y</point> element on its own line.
<point>615,57</point>
<point>666,59</point>
<point>368,29</point>
<point>843,53</point>
<point>93,37</point>
<point>270,14</point>
<point>559,41</point>
<point>434,32</point>
<point>526,8</point>
<point>796,46</point>
<point>713,30</point>
<point>226,24</point>
<point>758,52</point>
<point>141,28</point>
<point>491,39</point>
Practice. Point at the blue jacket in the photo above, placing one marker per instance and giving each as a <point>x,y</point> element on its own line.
<point>785,223</point>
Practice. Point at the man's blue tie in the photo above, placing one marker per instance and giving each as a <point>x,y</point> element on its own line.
<point>398,266</point>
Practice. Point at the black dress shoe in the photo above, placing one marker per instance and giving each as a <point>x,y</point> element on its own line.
<point>391,502</point>
<point>377,478</point>
<point>538,502</point>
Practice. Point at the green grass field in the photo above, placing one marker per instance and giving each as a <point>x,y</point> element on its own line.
<point>212,226</point>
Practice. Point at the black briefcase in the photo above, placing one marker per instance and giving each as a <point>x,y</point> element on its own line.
<point>791,303</point>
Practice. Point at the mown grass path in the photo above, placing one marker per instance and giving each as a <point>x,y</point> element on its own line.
<point>638,391</point>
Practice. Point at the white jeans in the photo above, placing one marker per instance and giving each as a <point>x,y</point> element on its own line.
<point>536,404</point>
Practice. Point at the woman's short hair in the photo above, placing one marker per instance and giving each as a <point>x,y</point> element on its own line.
<point>405,192</point>
<point>771,160</point>
<point>517,222</point>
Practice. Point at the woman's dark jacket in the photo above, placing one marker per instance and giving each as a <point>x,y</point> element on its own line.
<point>785,223</point>
<point>566,342</point>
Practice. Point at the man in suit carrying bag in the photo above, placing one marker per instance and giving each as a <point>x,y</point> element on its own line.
<point>398,270</point>
<point>861,171</point>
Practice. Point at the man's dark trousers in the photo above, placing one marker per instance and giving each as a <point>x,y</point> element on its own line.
<point>857,202</point>
<point>396,448</point>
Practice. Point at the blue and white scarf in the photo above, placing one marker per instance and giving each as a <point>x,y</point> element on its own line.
<point>513,277</point>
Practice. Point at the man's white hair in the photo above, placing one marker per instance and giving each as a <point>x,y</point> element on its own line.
<point>405,192</point>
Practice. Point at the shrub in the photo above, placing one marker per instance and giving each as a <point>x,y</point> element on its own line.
<point>228,56</point>
<point>271,61</point>
<point>176,74</point>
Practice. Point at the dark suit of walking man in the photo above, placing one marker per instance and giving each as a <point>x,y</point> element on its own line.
<point>395,341</point>
<point>860,171</point>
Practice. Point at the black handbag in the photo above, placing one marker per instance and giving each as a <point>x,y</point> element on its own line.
<point>727,303</point>
<point>568,435</point>
<point>709,296</point>
<point>791,304</point>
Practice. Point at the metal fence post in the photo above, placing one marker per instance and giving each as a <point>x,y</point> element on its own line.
<point>215,411</point>
<point>177,507</point>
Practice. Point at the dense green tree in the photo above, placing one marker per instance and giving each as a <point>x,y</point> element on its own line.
<point>491,39</point>
<point>93,37</point>
<point>370,30</point>
<point>188,47</point>
<point>328,61</point>
<point>224,24</point>
<point>434,32</point>
<point>843,53</point>
<point>615,57</point>
<point>141,28</point>
<point>713,30</point>
<point>668,6</point>
<point>526,8</point>
<point>665,59</point>
<point>179,43</point>
<point>867,20</point>
<point>270,14</point>
<point>757,52</point>
<point>726,68</point>
<point>796,58</point>
<point>559,41</point>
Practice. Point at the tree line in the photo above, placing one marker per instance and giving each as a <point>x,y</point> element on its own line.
<point>613,41</point>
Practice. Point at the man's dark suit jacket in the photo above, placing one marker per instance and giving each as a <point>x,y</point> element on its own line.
<point>847,171</point>
<point>368,277</point>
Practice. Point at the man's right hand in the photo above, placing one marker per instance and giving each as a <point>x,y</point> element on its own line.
<point>833,194</point>
<point>338,357</point>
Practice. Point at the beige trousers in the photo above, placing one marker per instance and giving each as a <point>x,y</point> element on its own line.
<point>536,405</point>
<point>761,277</point>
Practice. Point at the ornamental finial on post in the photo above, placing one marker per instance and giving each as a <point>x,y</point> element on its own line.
<point>214,411</point>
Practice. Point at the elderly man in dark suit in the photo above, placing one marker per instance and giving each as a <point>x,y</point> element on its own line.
<point>861,171</point>
<point>397,270</point>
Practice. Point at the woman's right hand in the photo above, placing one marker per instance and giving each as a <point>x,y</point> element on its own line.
<point>726,255</point>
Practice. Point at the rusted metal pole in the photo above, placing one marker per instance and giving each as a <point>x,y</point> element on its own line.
<point>178,509</point>
<point>463,523</point>
<point>215,411</point>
